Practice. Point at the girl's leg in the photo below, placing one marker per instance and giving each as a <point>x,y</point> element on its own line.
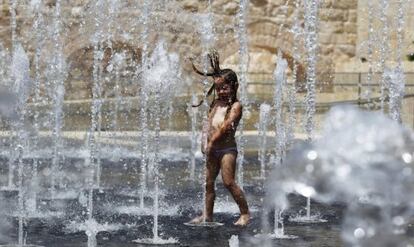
<point>228,170</point>
<point>212,170</point>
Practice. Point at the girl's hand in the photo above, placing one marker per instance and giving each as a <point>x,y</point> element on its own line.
<point>208,148</point>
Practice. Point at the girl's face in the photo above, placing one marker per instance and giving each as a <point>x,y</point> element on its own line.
<point>223,89</point>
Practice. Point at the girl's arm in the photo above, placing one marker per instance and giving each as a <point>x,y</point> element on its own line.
<point>228,124</point>
<point>204,136</point>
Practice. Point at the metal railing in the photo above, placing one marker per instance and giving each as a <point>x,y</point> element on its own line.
<point>345,88</point>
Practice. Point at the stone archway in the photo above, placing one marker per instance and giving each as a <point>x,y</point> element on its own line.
<point>264,44</point>
<point>79,82</point>
<point>266,38</point>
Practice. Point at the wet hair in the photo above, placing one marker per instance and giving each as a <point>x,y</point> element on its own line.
<point>228,75</point>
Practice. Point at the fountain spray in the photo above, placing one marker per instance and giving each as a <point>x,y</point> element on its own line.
<point>20,196</point>
<point>243,67</point>
<point>370,50</point>
<point>384,5</point>
<point>117,62</point>
<point>311,45</point>
<point>206,30</point>
<point>297,32</point>
<point>193,115</point>
<point>12,9</point>
<point>57,76</point>
<point>143,114</point>
<point>159,75</point>
<point>37,88</point>
<point>263,123</point>
<point>281,138</point>
<point>280,81</point>
<point>20,75</point>
<point>396,81</point>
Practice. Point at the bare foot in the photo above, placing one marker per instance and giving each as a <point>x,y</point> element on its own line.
<point>199,220</point>
<point>243,220</point>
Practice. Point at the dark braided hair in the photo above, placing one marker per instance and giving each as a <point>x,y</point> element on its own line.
<point>228,75</point>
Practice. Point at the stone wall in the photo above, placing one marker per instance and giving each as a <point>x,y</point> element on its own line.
<point>342,36</point>
<point>269,28</point>
<point>377,35</point>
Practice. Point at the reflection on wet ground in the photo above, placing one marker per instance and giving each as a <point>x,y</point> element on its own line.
<point>117,202</point>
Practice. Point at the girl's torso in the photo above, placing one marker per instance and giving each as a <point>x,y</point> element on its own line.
<point>217,117</point>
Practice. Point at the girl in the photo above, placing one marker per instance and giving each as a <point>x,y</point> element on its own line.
<point>220,147</point>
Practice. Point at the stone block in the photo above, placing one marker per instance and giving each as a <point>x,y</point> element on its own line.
<point>77,94</point>
<point>331,14</point>
<point>255,11</point>
<point>352,38</point>
<point>326,49</point>
<point>352,15</point>
<point>190,5</point>
<point>345,4</point>
<point>231,8</point>
<point>259,3</point>
<point>331,27</point>
<point>349,50</point>
<point>78,85</point>
<point>325,38</point>
<point>344,38</point>
<point>350,27</point>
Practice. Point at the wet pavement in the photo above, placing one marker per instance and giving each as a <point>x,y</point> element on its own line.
<point>116,203</point>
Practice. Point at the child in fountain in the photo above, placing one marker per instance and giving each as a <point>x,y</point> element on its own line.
<point>220,145</point>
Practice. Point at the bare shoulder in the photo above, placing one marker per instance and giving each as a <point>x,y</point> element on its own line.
<point>236,109</point>
<point>237,106</point>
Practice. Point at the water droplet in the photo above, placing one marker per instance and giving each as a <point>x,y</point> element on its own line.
<point>343,171</point>
<point>304,190</point>
<point>110,68</point>
<point>312,155</point>
<point>407,157</point>
<point>309,168</point>
<point>398,220</point>
<point>359,233</point>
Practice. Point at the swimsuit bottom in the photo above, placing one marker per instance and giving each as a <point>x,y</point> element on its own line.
<point>219,153</point>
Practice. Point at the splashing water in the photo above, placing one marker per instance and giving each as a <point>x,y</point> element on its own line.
<point>91,228</point>
<point>297,32</point>
<point>162,73</point>
<point>206,29</point>
<point>192,111</point>
<point>20,74</point>
<point>370,41</point>
<point>311,44</point>
<point>160,77</point>
<point>208,40</point>
<point>244,68</point>
<point>263,123</point>
<point>384,49</point>
<point>280,79</point>
<point>370,170</point>
<point>143,113</point>
<point>395,82</point>
<point>234,241</point>
<point>280,149</point>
